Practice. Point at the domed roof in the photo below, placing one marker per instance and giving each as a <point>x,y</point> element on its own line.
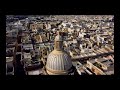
<point>58,62</point>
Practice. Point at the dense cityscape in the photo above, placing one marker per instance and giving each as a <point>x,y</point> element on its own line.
<point>59,45</point>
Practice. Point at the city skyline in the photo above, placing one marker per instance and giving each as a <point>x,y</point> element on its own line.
<point>33,45</point>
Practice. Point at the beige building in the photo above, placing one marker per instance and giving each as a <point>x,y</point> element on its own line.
<point>93,68</point>
<point>38,38</point>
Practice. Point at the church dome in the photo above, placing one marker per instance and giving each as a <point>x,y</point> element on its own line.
<point>58,62</point>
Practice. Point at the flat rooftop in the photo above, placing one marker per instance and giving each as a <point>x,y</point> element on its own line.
<point>9,59</point>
